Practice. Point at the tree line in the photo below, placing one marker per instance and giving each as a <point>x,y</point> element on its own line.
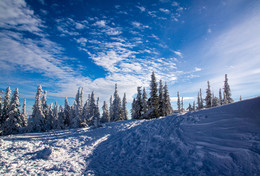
<point>48,117</point>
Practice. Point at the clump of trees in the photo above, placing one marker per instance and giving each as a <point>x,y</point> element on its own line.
<point>210,99</point>
<point>158,104</point>
<point>46,117</point>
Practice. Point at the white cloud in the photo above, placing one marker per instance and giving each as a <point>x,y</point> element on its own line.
<point>178,53</point>
<point>101,23</point>
<point>82,41</point>
<point>17,15</point>
<point>141,8</point>
<point>197,69</point>
<point>139,25</point>
<point>165,10</point>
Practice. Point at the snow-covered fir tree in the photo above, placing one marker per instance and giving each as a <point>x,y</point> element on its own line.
<point>50,118</point>
<point>24,116</point>
<point>124,109</point>
<point>38,122</point>
<point>220,97</point>
<point>6,107</point>
<point>178,102</point>
<point>13,122</point>
<point>86,112</point>
<point>110,107</point>
<point>182,108</point>
<point>78,107</point>
<point>198,101</point>
<point>161,99</point>
<point>189,108</point>
<point>133,110</point>
<point>144,102</point>
<point>227,92</point>
<point>154,99</point>
<point>97,115</point>
<point>66,113</point>
<point>60,121</point>
<point>167,107</point>
<point>201,100</point>
<point>215,101</point>
<point>138,104</point>
<point>105,115</point>
<point>74,114</point>
<point>55,116</point>
<point>116,108</point>
<point>208,97</point>
<point>45,106</point>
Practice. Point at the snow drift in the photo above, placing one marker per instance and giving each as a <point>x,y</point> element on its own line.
<point>217,141</point>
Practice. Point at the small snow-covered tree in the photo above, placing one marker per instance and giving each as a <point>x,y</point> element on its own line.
<point>86,112</point>
<point>189,108</point>
<point>13,123</point>
<point>105,115</point>
<point>182,108</point>
<point>66,113</point>
<point>24,116</point>
<point>167,107</point>
<point>227,92</point>
<point>154,99</point>
<point>220,97</point>
<point>74,121</point>
<point>178,102</point>
<point>38,123</point>
<point>110,108</point>
<point>124,109</point>
<point>139,104</point>
<point>215,101</point>
<point>116,106</point>
<point>60,121</point>
<point>45,106</point>
<point>161,99</point>
<point>208,97</point>
<point>50,118</point>
<point>55,116</point>
<point>144,102</point>
<point>133,110</point>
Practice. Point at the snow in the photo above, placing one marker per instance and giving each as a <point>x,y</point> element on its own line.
<point>218,141</point>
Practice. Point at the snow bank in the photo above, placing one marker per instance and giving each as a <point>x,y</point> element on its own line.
<point>217,141</point>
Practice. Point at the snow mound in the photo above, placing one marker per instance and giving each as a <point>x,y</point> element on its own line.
<point>217,141</point>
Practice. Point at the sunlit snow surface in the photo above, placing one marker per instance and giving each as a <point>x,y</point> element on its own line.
<point>216,141</point>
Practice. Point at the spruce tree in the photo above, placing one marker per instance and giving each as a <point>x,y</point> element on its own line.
<point>6,107</point>
<point>45,107</point>
<point>111,108</point>
<point>167,107</point>
<point>208,97</point>
<point>105,114</point>
<point>133,110</point>
<point>215,101</point>
<point>198,102</point>
<point>220,97</point>
<point>154,99</point>
<point>201,100</point>
<point>116,106</point>
<point>124,109</point>
<point>161,100</point>
<point>182,108</point>
<point>139,104</point>
<point>24,116</point>
<point>144,103</point>
<point>178,102</point>
<point>13,123</point>
<point>60,123</point>
<point>227,92</point>
<point>38,123</point>
<point>66,113</point>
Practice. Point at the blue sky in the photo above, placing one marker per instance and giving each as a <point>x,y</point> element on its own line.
<point>63,45</point>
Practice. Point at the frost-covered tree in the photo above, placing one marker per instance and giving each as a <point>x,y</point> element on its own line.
<point>116,115</point>
<point>189,108</point>
<point>154,99</point>
<point>182,108</point>
<point>74,121</point>
<point>96,115</point>
<point>167,107</point>
<point>124,109</point>
<point>6,107</point>
<point>138,104</point>
<point>161,100</point>
<point>198,102</point>
<point>201,100</point>
<point>13,122</point>
<point>66,113</point>
<point>133,110</point>
<point>50,118</point>
<point>215,101</point>
<point>220,97</point>
<point>86,112</point>
<point>38,123</point>
<point>78,106</point>
<point>60,121</point>
<point>45,106</point>
<point>105,115</point>
<point>227,92</point>
<point>24,116</point>
<point>55,116</point>
<point>110,108</point>
<point>178,102</point>
<point>144,102</point>
<point>208,97</point>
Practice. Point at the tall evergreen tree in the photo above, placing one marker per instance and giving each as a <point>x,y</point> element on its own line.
<point>154,99</point>
<point>38,123</point>
<point>13,123</point>
<point>220,97</point>
<point>208,97</point>
<point>178,102</point>
<point>161,99</point>
<point>55,116</point>
<point>110,108</point>
<point>66,113</point>
<point>227,92</point>
<point>201,100</point>
<point>139,104</point>
<point>105,115</point>
<point>74,114</point>
<point>24,116</point>
<point>144,102</point>
<point>116,106</point>
<point>60,121</point>
<point>6,107</point>
<point>133,110</point>
<point>167,107</point>
<point>198,102</point>
<point>124,109</point>
<point>182,108</point>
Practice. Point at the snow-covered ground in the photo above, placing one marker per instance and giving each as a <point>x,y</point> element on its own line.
<point>217,141</point>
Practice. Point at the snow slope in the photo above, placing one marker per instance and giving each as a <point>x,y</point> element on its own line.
<point>217,141</point>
